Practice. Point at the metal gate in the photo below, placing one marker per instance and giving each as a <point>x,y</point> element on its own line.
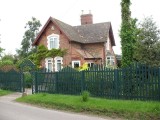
<point>28,66</point>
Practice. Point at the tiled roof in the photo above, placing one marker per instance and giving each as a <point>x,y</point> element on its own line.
<point>93,33</point>
<point>68,30</point>
<point>89,33</point>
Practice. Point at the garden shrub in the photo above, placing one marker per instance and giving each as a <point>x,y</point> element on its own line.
<point>28,79</point>
<point>85,96</point>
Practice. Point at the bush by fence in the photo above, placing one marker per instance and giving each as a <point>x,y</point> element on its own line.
<point>137,82</point>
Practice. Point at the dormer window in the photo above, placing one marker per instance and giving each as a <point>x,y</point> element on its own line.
<point>53,41</point>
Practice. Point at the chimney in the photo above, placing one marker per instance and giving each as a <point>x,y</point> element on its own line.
<point>86,18</point>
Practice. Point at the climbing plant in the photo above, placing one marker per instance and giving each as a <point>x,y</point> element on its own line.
<point>42,53</point>
<point>127,33</point>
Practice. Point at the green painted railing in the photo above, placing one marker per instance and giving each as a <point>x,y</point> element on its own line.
<point>11,80</point>
<point>136,82</point>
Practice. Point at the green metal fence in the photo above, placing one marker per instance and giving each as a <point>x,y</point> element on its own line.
<point>11,80</point>
<point>136,82</point>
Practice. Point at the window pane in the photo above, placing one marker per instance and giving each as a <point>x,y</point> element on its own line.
<point>51,44</point>
<point>55,43</point>
<point>108,58</point>
<point>76,64</point>
<point>58,66</point>
<point>58,61</point>
<point>49,67</point>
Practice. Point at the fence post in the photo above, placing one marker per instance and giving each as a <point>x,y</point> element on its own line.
<point>56,82</point>
<point>116,83</point>
<point>82,81</point>
<point>36,83</point>
<point>23,82</point>
<point>159,82</point>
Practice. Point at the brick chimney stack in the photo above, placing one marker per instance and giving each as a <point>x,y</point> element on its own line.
<point>86,18</point>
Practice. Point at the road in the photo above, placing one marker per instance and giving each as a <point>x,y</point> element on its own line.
<point>11,110</point>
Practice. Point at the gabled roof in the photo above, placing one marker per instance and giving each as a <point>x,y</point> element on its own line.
<point>90,33</point>
<point>93,33</point>
<point>68,30</point>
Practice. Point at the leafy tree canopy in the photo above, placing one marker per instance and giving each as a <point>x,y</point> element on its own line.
<point>32,29</point>
<point>147,48</point>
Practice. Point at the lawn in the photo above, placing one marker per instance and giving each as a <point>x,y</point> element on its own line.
<point>125,109</point>
<point>4,92</point>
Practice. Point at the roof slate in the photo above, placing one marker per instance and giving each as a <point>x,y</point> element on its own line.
<point>89,33</point>
<point>93,33</point>
<point>68,30</point>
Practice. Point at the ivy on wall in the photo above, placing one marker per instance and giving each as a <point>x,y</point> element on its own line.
<point>42,53</point>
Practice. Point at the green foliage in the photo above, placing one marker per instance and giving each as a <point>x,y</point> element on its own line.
<point>28,38</point>
<point>85,96</point>
<point>125,109</point>
<point>55,52</point>
<point>1,51</point>
<point>6,62</point>
<point>83,67</point>
<point>43,52</point>
<point>7,57</point>
<point>28,79</point>
<point>127,33</point>
<point>4,92</point>
<point>147,48</point>
<point>18,63</point>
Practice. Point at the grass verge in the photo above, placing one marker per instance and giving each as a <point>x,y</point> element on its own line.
<point>4,92</point>
<point>135,110</point>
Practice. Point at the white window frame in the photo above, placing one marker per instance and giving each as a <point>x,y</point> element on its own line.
<point>46,64</point>
<point>56,61</point>
<point>76,61</point>
<point>110,61</point>
<point>53,36</point>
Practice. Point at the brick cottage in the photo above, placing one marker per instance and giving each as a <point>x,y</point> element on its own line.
<point>91,43</point>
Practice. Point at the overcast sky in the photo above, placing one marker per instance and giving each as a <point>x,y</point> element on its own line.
<point>14,14</point>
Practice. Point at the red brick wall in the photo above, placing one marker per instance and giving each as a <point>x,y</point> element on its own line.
<point>86,19</point>
<point>64,42</point>
<point>74,54</point>
<point>95,49</point>
<point>111,50</point>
